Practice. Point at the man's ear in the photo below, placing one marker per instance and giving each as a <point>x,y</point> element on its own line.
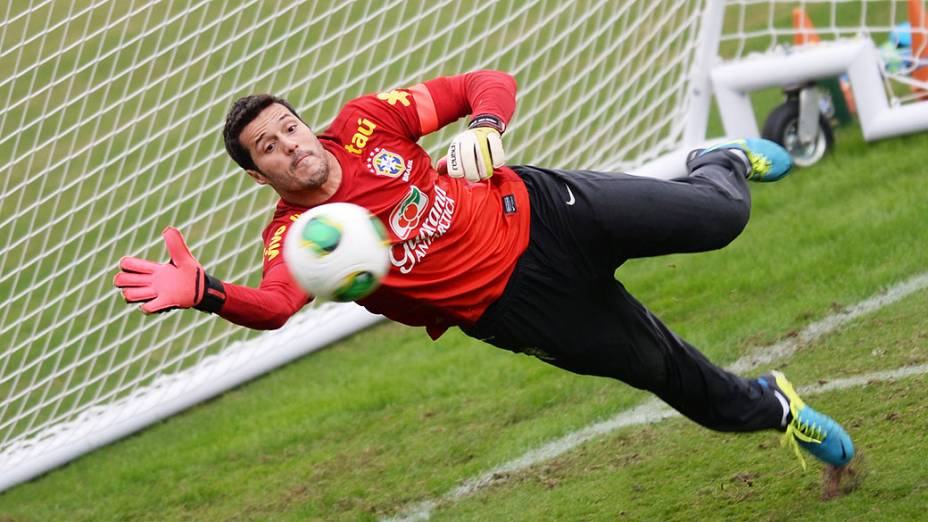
<point>259,178</point>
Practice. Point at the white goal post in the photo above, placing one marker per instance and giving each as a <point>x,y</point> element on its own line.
<point>111,131</point>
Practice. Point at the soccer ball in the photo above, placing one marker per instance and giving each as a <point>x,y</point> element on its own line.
<point>337,251</point>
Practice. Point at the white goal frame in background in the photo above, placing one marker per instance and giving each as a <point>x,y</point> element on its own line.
<point>110,126</point>
<point>731,82</point>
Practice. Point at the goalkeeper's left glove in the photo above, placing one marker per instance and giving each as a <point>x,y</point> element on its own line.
<point>179,283</point>
<point>474,153</point>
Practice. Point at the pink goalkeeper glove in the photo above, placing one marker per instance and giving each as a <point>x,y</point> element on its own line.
<point>179,283</point>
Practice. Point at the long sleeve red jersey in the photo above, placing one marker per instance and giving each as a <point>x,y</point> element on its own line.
<point>454,243</point>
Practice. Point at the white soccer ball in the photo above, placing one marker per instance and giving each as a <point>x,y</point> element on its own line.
<point>337,251</point>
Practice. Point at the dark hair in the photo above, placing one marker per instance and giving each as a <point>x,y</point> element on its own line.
<point>243,111</point>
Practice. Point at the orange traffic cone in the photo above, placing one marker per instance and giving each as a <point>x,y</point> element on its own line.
<point>919,23</point>
<point>804,33</point>
<point>804,30</point>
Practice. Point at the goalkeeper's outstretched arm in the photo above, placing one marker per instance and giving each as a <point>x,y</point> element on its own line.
<point>487,96</point>
<point>183,283</point>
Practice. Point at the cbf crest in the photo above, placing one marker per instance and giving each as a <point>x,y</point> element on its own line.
<point>385,163</point>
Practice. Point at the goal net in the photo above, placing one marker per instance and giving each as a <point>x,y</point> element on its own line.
<point>111,128</point>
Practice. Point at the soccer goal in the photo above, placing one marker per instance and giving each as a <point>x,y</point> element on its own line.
<point>111,131</point>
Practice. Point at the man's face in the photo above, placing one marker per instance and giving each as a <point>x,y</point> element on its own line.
<point>288,155</point>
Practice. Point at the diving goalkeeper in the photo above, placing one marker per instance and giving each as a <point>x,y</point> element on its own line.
<point>521,257</point>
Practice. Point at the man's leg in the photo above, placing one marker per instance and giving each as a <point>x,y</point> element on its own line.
<point>640,350</point>
<point>632,216</point>
<point>595,327</point>
<point>563,305</point>
<point>598,328</point>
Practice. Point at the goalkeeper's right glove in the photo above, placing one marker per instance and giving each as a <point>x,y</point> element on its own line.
<point>179,283</point>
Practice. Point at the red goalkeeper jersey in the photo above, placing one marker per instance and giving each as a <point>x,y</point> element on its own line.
<point>454,243</point>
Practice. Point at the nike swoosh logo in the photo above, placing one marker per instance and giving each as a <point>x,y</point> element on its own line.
<point>572,200</point>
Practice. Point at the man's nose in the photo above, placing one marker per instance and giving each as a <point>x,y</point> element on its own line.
<point>290,145</point>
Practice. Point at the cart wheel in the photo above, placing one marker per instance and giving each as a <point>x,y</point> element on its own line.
<point>782,126</point>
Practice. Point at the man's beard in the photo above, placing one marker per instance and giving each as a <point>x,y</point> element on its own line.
<point>316,178</point>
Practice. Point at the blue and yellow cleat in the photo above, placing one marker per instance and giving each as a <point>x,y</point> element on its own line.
<point>769,161</point>
<point>815,432</point>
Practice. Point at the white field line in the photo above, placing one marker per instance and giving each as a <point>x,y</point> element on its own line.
<point>654,410</point>
<point>864,379</point>
<point>650,412</point>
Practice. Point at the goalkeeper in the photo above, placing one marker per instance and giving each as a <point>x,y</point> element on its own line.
<point>521,257</point>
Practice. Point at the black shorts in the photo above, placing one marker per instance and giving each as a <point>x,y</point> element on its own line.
<point>564,306</point>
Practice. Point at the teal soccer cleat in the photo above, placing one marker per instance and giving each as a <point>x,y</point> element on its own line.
<point>769,161</point>
<point>815,432</point>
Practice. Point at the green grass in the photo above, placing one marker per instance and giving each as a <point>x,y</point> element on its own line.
<point>387,418</point>
<point>677,471</point>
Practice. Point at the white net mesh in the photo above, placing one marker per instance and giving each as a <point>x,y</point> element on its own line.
<point>111,131</point>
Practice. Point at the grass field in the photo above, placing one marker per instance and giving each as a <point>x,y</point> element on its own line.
<point>387,419</point>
